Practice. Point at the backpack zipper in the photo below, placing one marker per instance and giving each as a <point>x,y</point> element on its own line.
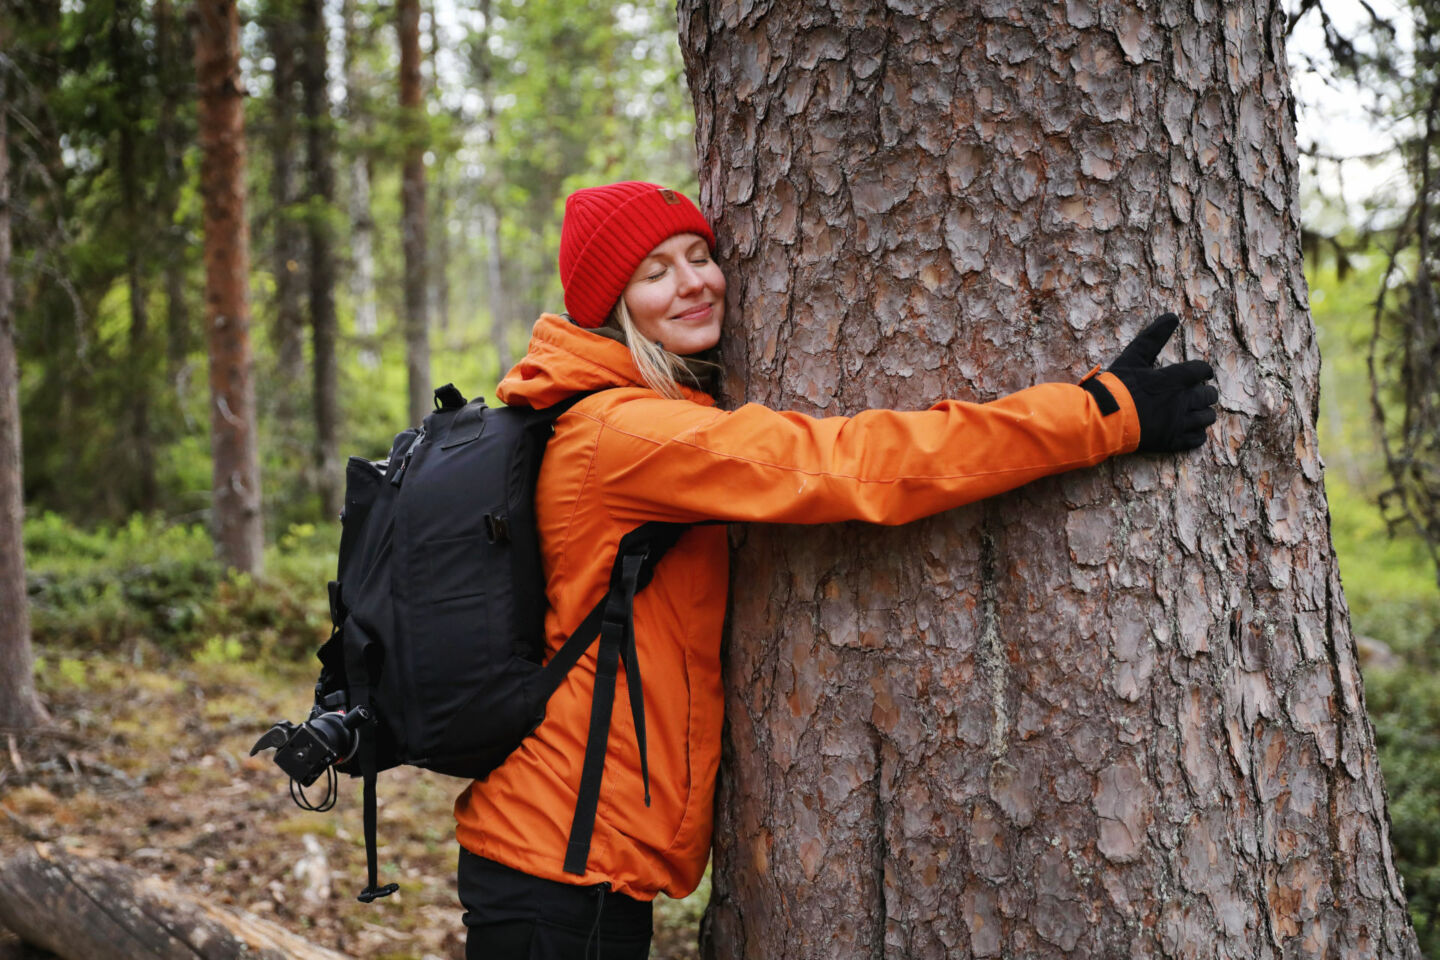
<point>405,463</point>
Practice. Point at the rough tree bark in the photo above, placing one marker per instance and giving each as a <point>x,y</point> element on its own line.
<point>324,326</point>
<point>1115,713</point>
<point>19,706</point>
<point>235,472</point>
<point>412,190</point>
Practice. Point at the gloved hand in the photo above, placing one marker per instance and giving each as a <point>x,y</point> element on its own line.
<point>1174,402</point>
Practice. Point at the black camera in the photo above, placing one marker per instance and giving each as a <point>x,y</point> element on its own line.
<point>307,750</point>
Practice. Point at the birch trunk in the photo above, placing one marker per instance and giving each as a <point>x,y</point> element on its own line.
<point>235,509</point>
<point>1115,713</point>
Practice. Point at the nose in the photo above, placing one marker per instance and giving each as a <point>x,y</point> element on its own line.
<point>687,278</point>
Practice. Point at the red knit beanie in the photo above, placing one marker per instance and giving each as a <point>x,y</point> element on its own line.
<point>607,231</point>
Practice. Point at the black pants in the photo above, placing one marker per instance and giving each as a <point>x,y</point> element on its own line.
<point>511,915</point>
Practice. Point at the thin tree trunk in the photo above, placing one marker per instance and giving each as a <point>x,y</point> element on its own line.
<point>417,343</point>
<point>440,219</point>
<point>287,331</point>
<point>495,290</point>
<point>19,706</point>
<point>440,260</point>
<point>362,224</point>
<point>174,67</point>
<point>489,208</point>
<point>324,325</point>
<point>1115,713</point>
<point>144,494</point>
<point>235,510</point>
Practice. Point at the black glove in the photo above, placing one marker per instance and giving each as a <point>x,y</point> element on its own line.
<point>1174,402</point>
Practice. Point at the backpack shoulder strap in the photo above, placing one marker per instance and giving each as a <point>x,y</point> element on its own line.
<point>614,619</point>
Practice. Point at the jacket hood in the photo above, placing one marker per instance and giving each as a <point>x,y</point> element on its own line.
<point>564,359</point>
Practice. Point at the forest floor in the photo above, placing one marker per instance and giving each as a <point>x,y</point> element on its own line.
<point>150,766</point>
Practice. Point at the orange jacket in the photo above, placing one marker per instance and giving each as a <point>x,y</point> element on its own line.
<point>627,455</point>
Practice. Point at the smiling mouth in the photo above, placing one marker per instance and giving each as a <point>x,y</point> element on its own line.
<point>695,313</point>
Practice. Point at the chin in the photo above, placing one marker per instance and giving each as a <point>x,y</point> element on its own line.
<point>697,345</point>
<point>690,342</point>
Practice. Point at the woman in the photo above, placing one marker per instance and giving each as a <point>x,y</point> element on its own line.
<point>646,303</point>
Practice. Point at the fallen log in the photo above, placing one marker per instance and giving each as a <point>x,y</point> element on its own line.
<point>81,908</point>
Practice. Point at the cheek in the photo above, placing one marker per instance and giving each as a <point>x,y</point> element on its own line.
<point>646,304</point>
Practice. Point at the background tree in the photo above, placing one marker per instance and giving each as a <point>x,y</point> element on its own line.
<point>175,133</point>
<point>325,325</point>
<point>129,72</point>
<point>235,509</point>
<point>19,706</point>
<point>417,322</point>
<point>359,116</point>
<point>1404,356</point>
<point>283,34</point>
<point>482,71</point>
<point>1118,711</point>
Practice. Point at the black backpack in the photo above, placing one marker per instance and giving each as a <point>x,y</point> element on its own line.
<point>438,610</point>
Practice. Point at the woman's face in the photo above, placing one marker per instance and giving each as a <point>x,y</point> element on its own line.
<point>677,295</point>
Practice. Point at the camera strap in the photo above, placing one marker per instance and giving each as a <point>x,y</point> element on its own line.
<point>366,756</point>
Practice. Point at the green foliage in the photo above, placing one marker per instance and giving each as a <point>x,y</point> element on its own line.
<point>1389,585</point>
<point>573,92</point>
<point>149,583</point>
<point>1405,705</point>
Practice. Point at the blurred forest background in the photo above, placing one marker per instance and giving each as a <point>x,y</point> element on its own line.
<point>406,170</point>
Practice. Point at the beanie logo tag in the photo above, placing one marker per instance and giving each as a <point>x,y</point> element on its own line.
<point>671,197</point>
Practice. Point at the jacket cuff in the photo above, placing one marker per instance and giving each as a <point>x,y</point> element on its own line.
<point>1130,434</point>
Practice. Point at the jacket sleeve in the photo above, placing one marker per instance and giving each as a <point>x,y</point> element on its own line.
<point>672,460</point>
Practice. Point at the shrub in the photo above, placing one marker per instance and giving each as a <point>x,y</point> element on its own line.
<point>151,582</point>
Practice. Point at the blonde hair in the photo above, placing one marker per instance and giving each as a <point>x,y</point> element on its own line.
<point>662,370</point>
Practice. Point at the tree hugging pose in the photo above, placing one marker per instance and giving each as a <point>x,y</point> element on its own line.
<point>646,304</point>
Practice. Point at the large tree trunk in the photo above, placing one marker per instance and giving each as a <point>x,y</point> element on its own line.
<point>417,342</point>
<point>1115,713</point>
<point>235,508</point>
<point>324,325</point>
<point>19,707</point>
